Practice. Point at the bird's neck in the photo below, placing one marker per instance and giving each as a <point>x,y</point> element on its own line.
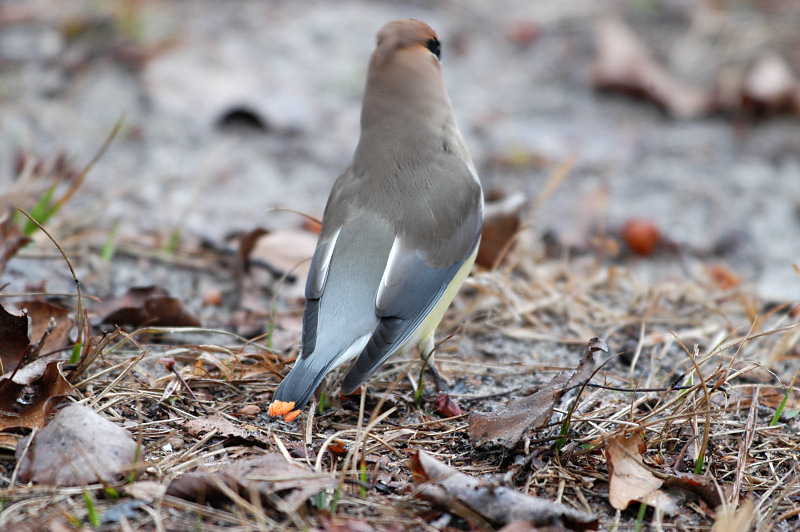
<point>411,101</point>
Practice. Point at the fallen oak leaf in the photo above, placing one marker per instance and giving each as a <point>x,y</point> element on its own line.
<point>25,402</point>
<point>509,425</point>
<point>77,447</point>
<point>9,440</point>
<point>247,242</point>
<point>168,311</point>
<point>703,486</point>
<point>147,305</point>
<point>13,340</point>
<point>287,252</point>
<point>249,411</point>
<point>280,484</point>
<point>42,314</point>
<point>224,427</point>
<point>446,406</point>
<point>501,221</point>
<point>495,505</point>
<point>629,479</point>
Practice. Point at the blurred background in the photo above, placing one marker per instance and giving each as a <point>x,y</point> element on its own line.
<point>683,116</point>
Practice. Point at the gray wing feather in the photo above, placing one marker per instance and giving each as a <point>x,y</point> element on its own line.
<point>315,284</point>
<point>310,324</point>
<point>320,265</point>
<point>410,284</point>
<point>409,290</point>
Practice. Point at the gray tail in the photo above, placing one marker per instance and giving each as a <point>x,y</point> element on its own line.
<point>301,382</point>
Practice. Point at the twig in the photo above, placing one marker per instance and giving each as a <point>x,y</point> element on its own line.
<point>169,363</point>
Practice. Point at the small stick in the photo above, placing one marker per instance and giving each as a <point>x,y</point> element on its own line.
<point>169,363</point>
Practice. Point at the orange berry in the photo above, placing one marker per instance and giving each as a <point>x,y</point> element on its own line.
<point>641,235</point>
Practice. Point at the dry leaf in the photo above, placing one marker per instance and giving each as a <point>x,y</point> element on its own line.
<point>247,242</point>
<point>14,340</point>
<point>446,406</point>
<point>701,485</point>
<point>282,485</point>
<point>169,312</point>
<point>289,250</point>
<point>40,314</point>
<point>249,411</point>
<point>469,498</point>
<point>224,427</point>
<point>772,398</point>
<point>501,220</point>
<point>77,447</point>
<point>9,440</point>
<point>27,400</point>
<point>512,422</point>
<point>623,63</point>
<point>150,305</point>
<point>629,479</point>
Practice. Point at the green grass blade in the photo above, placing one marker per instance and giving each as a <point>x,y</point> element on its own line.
<point>779,411</point>
<point>91,510</point>
<point>110,246</point>
<point>75,357</point>
<point>42,211</point>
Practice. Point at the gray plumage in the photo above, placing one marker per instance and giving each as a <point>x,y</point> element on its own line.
<point>401,221</point>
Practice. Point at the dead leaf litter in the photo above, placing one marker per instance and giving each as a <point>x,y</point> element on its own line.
<point>658,427</point>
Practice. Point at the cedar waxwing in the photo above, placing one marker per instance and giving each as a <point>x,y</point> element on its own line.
<point>401,228</point>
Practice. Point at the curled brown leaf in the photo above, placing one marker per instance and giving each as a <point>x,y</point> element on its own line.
<point>149,305</point>
<point>629,479</point>
<point>483,504</point>
<point>511,423</point>
<point>13,340</point>
<point>27,404</point>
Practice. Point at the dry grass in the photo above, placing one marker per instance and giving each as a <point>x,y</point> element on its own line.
<point>520,325</point>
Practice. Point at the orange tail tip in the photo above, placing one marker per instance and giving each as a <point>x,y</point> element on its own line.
<point>291,415</point>
<point>280,408</point>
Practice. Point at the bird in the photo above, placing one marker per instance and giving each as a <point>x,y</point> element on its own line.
<point>401,227</point>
